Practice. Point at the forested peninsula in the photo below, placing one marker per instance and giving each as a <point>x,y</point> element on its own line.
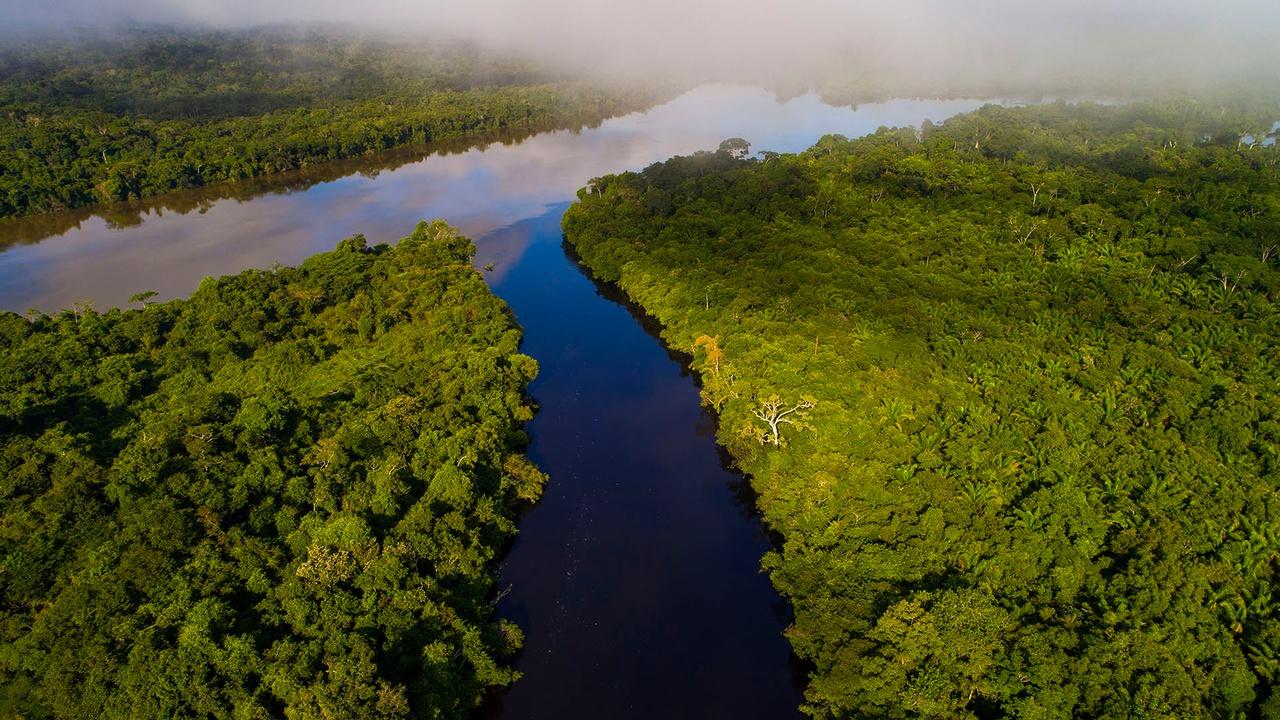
<point>1007,388</point>
<point>281,497</point>
<point>143,113</point>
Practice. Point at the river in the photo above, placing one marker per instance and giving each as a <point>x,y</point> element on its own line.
<point>636,577</point>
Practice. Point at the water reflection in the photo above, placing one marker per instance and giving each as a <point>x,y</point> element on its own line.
<point>171,244</point>
<point>636,577</point>
<point>123,215</point>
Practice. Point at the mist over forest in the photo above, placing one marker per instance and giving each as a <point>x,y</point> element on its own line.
<point>879,360</point>
<point>932,45</point>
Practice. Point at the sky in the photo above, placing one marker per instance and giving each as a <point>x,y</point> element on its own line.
<point>1202,39</point>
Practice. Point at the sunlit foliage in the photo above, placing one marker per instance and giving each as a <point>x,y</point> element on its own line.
<point>1039,475</point>
<point>280,497</point>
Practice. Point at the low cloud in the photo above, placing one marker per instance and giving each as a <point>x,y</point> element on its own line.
<point>948,41</point>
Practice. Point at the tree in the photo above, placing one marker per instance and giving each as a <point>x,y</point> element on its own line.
<point>775,413</point>
<point>715,355</point>
<point>717,384</point>
<point>142,298</point>
<point>735,147</point>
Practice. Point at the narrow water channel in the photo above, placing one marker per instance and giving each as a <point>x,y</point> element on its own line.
<point>636,578</point>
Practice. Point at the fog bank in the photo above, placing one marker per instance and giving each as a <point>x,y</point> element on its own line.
<point>923,41</point>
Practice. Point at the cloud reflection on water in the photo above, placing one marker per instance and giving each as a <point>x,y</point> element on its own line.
<point>480,191</point>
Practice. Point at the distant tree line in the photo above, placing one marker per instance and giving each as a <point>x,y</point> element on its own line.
<point>1009,389</point>
<point>281,497</point>
<point>36,228</point>
<point>106,120</point>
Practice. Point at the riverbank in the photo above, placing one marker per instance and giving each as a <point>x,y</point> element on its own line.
<point>637,576</point>
<point>975,372</point>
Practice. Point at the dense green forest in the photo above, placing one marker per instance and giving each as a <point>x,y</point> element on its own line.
<point>120,215</point>
<point>280,497</point>
<point>1007,389</point>
<point>143,113</point>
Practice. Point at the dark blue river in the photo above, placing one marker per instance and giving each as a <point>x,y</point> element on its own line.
<point>636,578</point>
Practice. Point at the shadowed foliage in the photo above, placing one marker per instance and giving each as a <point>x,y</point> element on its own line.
<point>106,120</point>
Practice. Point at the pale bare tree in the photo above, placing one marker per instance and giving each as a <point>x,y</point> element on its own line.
<point>1023,230</point>
<point>774,412</point>
<point>1228,282</point>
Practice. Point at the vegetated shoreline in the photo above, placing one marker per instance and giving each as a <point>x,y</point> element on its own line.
<point>104,119</point>
<point>33,228</point>
<point>654,328</point>
<point>656,231</point>
<point>744,488</point>
<point>559,113</point>
<point>288,491</point>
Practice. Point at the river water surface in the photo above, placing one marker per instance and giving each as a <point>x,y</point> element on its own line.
<point>636,577</point>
